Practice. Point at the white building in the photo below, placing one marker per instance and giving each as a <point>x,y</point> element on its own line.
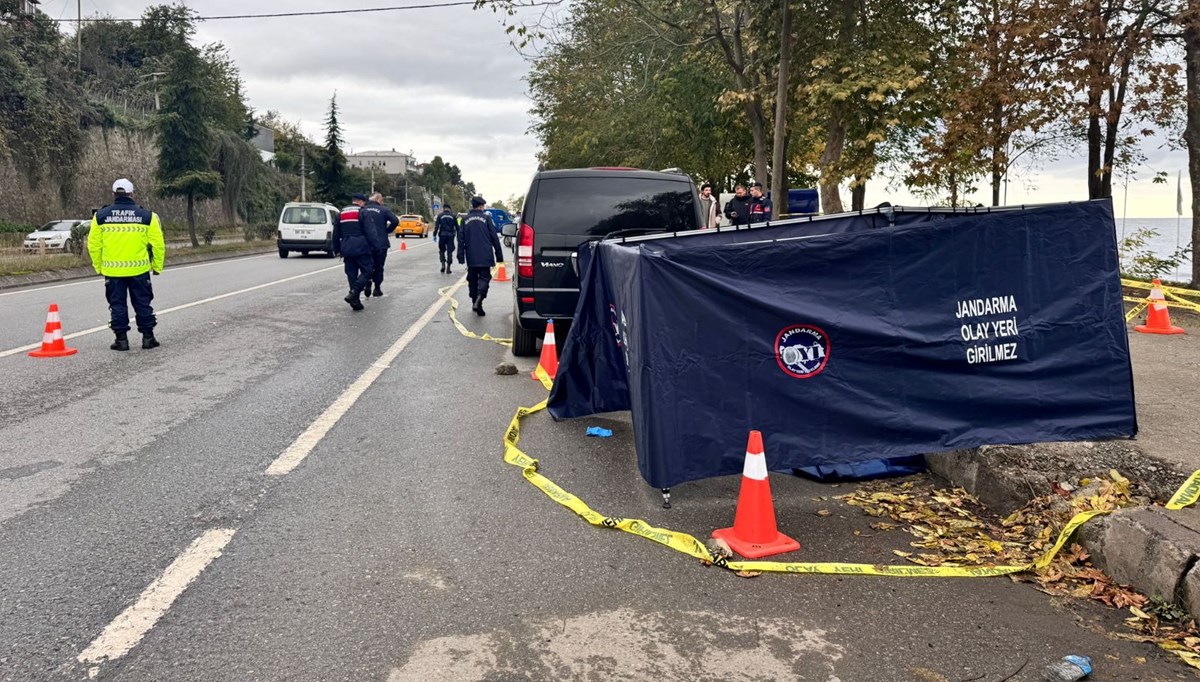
<point>390,163</point>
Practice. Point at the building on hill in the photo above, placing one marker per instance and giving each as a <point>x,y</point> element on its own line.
<point>264,142</point>
<point>390,163</point>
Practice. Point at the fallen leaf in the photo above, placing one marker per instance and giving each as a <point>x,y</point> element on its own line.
<point>749,574</point>
<point>824,512</point>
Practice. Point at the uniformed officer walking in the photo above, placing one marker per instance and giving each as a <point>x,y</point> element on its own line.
<point>355,245</point>
<point>126,245</point>
<point>377,218</point>
<point>478,247</point>
<point>444,231</point>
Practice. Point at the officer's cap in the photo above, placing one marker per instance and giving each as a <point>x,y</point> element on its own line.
<point>122,186</point>
<point>477,201</point>
<point>359,196</point>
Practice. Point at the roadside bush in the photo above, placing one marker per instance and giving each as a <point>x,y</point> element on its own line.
<point>77,242</point>
<point>7,227</point>
<point>1139,262</point>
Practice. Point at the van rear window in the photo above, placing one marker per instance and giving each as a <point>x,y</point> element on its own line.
<point>301,215</point>
<point>597,206</point>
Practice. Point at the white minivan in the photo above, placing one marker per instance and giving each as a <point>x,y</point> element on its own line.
<point>306,226</point>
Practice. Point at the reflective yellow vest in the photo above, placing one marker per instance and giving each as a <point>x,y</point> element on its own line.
<point>126,240</point>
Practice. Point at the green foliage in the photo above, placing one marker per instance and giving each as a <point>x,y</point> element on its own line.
<point>330,164</point>
<point>7,227</point>
<point>1138,260</point>
<point>78,239</point>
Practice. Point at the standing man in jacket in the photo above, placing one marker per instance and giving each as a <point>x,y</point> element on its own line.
<point>760,206</point>
<point>737,209</point>
<point>708,208</point>
<point>356,246</point>
<point>377,218</point>
<point>444,231</point>
<point>478,247</point>
<point>126,244</point>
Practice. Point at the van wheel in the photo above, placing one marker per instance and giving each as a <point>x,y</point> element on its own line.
<point>283,253</point>
<point>524,341</point>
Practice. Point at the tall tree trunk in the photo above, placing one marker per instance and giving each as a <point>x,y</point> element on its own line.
<point>758,131</point>
<point>835,142</point>
<point>1116,106</point>
<point>1191,133</point>
<point>779,160</point>
<point>1095,181</point>
<point>191,213</point>
<point>858,193</point>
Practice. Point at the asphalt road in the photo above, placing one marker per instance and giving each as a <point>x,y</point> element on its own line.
<point>143,539</point>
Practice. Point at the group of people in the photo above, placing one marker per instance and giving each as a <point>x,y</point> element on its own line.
<point>478,248</point>
<point>360,237</point>
<point>743,209</point>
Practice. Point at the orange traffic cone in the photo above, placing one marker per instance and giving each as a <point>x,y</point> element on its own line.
<point>1158,319</point>
<point>53,345</point>
<point>404,246</point>
<point>549,359</point>
<point>754,534</point>
<point>502,274</point>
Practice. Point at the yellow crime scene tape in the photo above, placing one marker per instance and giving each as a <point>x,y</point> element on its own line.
<point>462,329</point>
<point>689,545</point>
<point>1175,296</point>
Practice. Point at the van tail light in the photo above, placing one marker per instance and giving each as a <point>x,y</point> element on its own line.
<point>525,251</point>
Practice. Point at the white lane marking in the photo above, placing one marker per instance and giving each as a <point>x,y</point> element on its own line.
<point>127,629</point>
<point>92,279</point>
<point>304,444</point>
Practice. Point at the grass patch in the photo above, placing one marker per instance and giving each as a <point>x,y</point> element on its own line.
<point>26,264</point>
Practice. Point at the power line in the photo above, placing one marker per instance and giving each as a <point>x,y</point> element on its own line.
<point>364,10</point>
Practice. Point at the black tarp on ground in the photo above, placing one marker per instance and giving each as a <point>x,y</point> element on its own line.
<point>1002,327</point>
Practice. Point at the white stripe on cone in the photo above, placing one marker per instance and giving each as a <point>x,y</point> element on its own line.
<point>47,338</point>
<point>52,317</point>
<point>755,467</point>
<point>549,339</point>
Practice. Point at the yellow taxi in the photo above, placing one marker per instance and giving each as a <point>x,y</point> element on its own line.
<point>411,224</point>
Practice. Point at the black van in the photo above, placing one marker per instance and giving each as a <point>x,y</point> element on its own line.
<point>565,208</point>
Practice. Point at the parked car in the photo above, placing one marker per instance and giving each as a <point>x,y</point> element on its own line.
<point>500,217</point>
<point>565,208</point>
<point>305,227</point>
<point>411,224</point>
<point>54,235</point>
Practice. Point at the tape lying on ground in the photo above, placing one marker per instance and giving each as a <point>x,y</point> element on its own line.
<point>689,545</point>
<point>453,312</point>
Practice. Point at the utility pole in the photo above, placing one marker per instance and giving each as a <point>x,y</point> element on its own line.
<point>302,195</point>
<point>79,32</point>
<point>372,177</point>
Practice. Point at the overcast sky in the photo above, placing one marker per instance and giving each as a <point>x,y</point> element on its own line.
<point>446,82</point>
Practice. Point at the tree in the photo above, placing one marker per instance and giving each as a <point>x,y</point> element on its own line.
<point>1109,58</point>
<point>330,164</point>
<point>184,138</point>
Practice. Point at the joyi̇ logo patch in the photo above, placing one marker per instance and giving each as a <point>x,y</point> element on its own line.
<point>802,350</point>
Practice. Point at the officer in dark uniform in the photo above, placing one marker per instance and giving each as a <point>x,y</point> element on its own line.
<point>477,244</point>
<point>444,231</point>
<point>355,246</point>
<point>760,206</point>
<point>379,219</point>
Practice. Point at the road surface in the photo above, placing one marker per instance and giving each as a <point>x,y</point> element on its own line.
<point>144,539</point>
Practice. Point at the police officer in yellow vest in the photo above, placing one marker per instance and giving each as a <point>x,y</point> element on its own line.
<point>126,244</point>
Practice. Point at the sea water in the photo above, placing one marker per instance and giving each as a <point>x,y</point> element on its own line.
<point>1171,233</point>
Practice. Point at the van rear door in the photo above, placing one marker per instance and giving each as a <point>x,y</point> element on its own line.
<point>572,210</point>
<point>305,224</point>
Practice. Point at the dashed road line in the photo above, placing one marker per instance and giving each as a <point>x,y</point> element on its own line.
<point>128,628</point>
<point>304,444</point>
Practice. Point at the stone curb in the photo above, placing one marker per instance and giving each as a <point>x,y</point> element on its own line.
<point>48,276</point>
<point>1149,548</point>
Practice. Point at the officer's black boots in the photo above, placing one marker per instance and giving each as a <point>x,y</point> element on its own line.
<point>148,341</point>
<point>378,291</point>
<point>122,342</point>
<point>354,301</point>
<point>478,305</point>
<point>443,266</point>
<point>367,291</point>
